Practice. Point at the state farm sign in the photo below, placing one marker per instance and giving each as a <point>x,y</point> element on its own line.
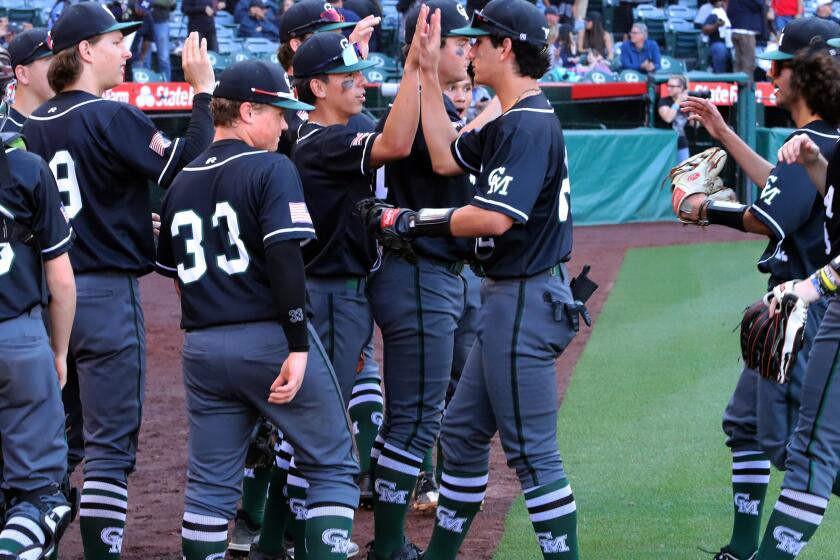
<point>154,96</point>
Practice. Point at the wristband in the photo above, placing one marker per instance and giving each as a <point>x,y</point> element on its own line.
<point>724,213</point>
<point>676,106</point>
<point>815,282</point>
<point>432,222</point>
<point>826,281</point>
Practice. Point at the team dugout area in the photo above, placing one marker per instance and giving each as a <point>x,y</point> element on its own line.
<point>619,149</point>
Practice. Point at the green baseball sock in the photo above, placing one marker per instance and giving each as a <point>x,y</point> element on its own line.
<point>750,477</point>
<point>396,476</point>
<point>254,489</point>
<point>19,532</point>
<point>203,536</point>
<point>794,521</point>
<point>328,530</point>
<point>428,465</point>
<point>102,517</point>
<point>553,514</point>
<point>296,487</point>
<point>276,513</point>
<point>365,411</point>
<point>461,494</point>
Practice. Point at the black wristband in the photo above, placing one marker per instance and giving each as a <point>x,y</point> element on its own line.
<point>725,213</point>
<point>432,222</point>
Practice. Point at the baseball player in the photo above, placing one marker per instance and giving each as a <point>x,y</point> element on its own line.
<point>813,455</point>
<point>760,417</point>
<point>231,229</point>
<point>103,154</point>
<point>417,300</point>
<point>527,316</point>
<point>34,239</point>
<point>30,57</point>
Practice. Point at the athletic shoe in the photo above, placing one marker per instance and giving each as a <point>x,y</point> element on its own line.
<point>365,492</point>
<point>409,551</point>
<point>245,533</point>
<point>426,493</point>
<point>724,554</point>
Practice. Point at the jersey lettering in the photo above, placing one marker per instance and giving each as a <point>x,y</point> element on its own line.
<point>498,182</point>
<point>565,194</point>
<point>7,256</point>
<point>64,170</point>
<point>224,218</point>
<point>769,192</point>
<point>829,202</point>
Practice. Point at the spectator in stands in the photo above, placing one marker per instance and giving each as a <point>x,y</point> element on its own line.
<point>255,24</point>
<point>747,21</point>
<point>461,95</point>
<point>824,11</point>
<point>565,9</point>
<point>668,110</point>
<point>785,11</point>
<point>4,28</point>
<point>718,29</point>
<point>201,17</point>
<point>365,8</point>
<point>594,38</point>
<point>623,20</point>
<point>244,6</point>
<point>161,10</point>
<point>703,12</point>
<point>480,99</point>
<point>144,37</point>
<point>564,50</point>
<point>552,18</point>
<point>9,32</point>
<point>640,53</point>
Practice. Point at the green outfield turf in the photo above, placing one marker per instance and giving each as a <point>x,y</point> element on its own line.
<point>640,426</point>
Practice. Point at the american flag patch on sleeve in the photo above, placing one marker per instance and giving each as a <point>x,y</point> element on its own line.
<point>159,144</point>
<point>360,138</point>
<point>299,212</point>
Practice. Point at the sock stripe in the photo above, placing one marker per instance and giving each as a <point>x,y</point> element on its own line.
<point>107,514</point>
<point>203,528</point>
<point>561,496</point>
<point>805,498</point>
<point>746,469</point>
<point>404,456</point>
<point>368,387</point>
<point>108,481</point>
<point>399,460</point>
<point>322,510</point>
<point>799,514</point>
<point>465,489</point>
<point>365,398</point>
<point>26,526</point>
<point>103,502</point>
<point>101,485</point>
<point>376,448</point>
<point>740,454</point>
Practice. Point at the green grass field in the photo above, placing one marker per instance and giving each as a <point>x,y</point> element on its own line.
<point>639,429</point>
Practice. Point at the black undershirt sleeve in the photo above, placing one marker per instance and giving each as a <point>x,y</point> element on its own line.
<point>284,265</point>
<point>199,131</point>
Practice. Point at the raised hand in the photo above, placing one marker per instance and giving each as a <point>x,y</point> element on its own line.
<point>704,112</point>
<point>362,32</point>
<point>196,64</point>
<point>799,149</point>
<point>429,44</point>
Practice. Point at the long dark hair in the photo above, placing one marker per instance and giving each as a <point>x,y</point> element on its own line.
<point>594,38</point>
<point>816,77</point>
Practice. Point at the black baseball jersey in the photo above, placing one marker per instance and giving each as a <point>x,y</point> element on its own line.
<point>14,122</point>
<point>295,119</point>
<point>790,207</point>
<point>520,164</point>
<point>32,202</point>
<point>832,205</point>
<point>220,214</point>
<point>412,183</point>
<point>103,155</point>
<point>334,166</point>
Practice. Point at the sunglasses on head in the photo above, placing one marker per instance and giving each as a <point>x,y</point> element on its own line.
<point>327,16</point>
<point>481,21</point>
<point>350,55</point>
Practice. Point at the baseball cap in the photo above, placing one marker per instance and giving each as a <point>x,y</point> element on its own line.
<point>310,16</point>
<point>517,19</point>
<point>551,11</point>
<point>83,21</point>
<point>328,53</point>
<point>29,46</point>
<point>258,4</point>
<point>452,16</point>
<point>258,81</point>
<point>801,33</point>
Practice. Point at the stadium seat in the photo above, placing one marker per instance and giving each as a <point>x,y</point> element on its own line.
<point>374,76</point>
<point>656,28</point>
<point>144,76</point>
<point>260,47</point>
<point>24,15</point>
<point>685,44</point>
<point>671,65</point>
<point>644,11</point>
<point>679,24</point>
<point>218,60</point>
<point>228,45</point>
<point>225,32</point>
<point>224,18</point>
<point>681,12</point>
<point>688,3</point>
<point>631,76</point>
<point>598,77</point>
<point>240,55</point>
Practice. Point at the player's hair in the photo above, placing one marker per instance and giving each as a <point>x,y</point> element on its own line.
<point>681,78</point>
<point>816,77</point>
<point>531,60</point>
<point>285,54</point>
<point>66,66</point>
<point>304,89</point>
<point>226,111</point>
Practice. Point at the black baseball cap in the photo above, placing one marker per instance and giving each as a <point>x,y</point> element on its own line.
<point>518,19</point>
<point>310,16</point>
<point>801,33</point>
<point>29,46</point>
<point>258,81</point>
<point>328,53</point>
<point>83,21</point>
<point>453,16</point>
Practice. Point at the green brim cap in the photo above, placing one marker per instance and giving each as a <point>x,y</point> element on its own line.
<point>335,26</point>
<point>346,68</point>
<point>834,42</point>
<point>469,31</point>
<point>774,55</point>
<point>293,105</point>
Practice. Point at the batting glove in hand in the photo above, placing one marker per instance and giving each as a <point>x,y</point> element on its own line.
<point>392,226</point>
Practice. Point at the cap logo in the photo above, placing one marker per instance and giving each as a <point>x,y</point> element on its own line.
<point>328,7</point>
<point>523,37</point>
<point>546,31</point>
<point>348,53</point>
<point>288,83</point>
<point>462,11</point>
<point>781,38</point>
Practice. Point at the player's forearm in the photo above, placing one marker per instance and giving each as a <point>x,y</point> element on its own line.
<point>818,172</point>
<point>62,307</point>
<point>437,129</point>
<point>756,167</point>
<point>472,221</point>
<point>401,125</point>
<point>287,279</point>
<point>491,112</point>
<point>199,135</point>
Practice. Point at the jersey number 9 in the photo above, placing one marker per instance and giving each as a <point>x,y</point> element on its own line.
<point>225,218</point>
<point>7,257</point>
<point>64,170</point>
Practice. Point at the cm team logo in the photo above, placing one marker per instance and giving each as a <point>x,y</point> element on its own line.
<point>338,539</point>
<point>298,508</point>
<point>447,521</point>
<point>498,181</point>
<point>551,544</point>
<point>790,541</point>
<point>745,505</point>
<point>113,537</point>
<point>389,494</point>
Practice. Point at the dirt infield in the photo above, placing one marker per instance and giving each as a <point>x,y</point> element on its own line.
<point>156,489</point>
